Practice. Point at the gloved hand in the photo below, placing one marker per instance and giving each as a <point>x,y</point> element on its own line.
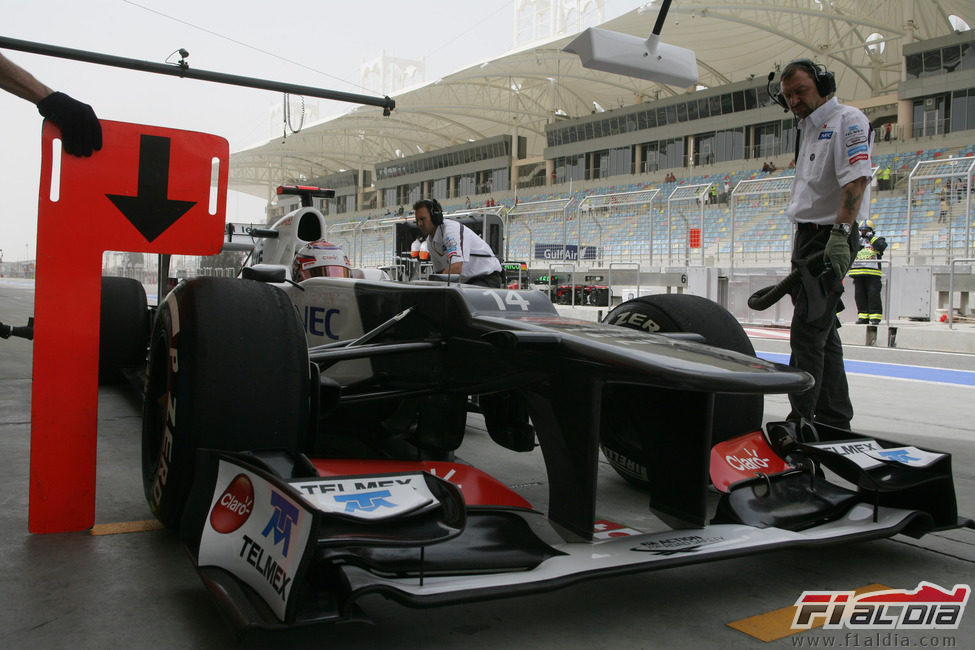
<point>81,133</point>
<point>838,253</point>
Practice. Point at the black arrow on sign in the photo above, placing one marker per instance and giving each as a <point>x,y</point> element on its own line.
<point>150,211</point>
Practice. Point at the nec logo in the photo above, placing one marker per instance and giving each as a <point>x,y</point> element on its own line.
<point>826,135</point>
<point>318,321</point>
<point>285,514</point>
<point>365,501</point>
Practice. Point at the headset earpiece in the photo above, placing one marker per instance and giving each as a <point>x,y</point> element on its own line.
<point>824,79</point>
<point>436,212</point>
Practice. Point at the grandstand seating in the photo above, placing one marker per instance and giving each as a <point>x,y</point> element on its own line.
<point>762,230</point>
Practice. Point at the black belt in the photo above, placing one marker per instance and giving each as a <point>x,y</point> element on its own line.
<point>821,226</point>
<point>813,226</point>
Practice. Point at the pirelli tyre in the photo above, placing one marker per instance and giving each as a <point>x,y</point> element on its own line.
<point>124,328</point>
<point>228,369</point>
<point>672,312</point>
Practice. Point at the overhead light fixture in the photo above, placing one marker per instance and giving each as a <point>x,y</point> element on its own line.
<point>632,56</point>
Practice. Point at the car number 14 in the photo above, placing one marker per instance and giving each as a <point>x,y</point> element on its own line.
<point>511,298</point>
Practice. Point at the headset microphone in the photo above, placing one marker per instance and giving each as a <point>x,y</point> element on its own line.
<point>776,95</point>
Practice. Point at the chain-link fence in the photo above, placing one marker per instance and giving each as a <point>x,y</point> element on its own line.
<point>685,222</point>
<point>541,230</point>
<point>758,229</point>
<point>938,224</point>
<point>620,226</point>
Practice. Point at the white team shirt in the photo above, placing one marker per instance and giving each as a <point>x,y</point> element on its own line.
<point>835,150</point>
<point>453,242</point>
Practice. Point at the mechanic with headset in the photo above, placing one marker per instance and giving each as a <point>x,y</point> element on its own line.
<point>81,133</point>
<point>830,192</point>
<point>866,275</point>
<point>455,248</point>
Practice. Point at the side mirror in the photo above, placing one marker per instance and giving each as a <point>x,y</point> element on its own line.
<point>264,273</point>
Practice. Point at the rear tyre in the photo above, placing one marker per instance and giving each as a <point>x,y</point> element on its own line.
<point>674,312</point>
<point>124,330</point>
<point>228,369</point>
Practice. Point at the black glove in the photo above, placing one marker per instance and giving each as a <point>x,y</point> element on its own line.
<point>838,253</point>
<point>81,133</point>
<point>880,245</point>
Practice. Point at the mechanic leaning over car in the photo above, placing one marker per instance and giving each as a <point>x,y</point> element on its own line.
<point>455,248</point>
<point>81,133</point>
<point>830,192</point>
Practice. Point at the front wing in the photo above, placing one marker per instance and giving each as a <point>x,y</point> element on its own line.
<point>278,552</point>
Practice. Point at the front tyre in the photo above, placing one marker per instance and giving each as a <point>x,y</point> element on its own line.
<point>734,415</point>
<point>228,369</point>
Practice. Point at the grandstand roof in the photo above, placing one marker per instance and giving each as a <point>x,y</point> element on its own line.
<point>522,91</point>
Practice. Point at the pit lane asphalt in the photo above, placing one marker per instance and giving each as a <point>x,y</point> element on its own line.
<point>140,590</point>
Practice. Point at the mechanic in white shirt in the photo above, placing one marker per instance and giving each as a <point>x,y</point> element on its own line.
<point>455,248</point>
<point>831,191</point>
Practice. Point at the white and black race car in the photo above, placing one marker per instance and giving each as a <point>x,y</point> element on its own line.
<point>301,439</point>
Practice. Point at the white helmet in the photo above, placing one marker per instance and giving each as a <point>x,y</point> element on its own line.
<point>320,259</point>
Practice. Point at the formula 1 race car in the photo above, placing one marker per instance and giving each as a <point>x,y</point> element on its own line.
<point>301,437</point>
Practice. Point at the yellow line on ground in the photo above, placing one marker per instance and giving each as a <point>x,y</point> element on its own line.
<point>125,527</point>
<point>777,624</point>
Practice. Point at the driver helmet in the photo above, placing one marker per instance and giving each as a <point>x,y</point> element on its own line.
<point>319,259</point>
<point>866,226</point>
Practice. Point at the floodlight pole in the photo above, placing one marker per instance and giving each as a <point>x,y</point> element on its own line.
<point>654,38</point>
<point>661,17</point>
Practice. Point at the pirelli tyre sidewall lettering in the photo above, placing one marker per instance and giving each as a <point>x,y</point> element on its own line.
<point>160,411</point>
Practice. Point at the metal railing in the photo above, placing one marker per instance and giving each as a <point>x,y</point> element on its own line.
<point>951,288</point>
<point>609,280</point>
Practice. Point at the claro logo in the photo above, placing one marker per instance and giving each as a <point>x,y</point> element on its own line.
<point>234,506</point>
<point>750,462</point>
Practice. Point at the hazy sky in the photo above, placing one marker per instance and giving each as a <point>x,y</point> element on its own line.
<point>329,39</point>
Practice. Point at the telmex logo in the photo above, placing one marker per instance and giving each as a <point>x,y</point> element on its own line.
<point>234,506</point>
<point>285,514</point>
<point>928,607</point>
